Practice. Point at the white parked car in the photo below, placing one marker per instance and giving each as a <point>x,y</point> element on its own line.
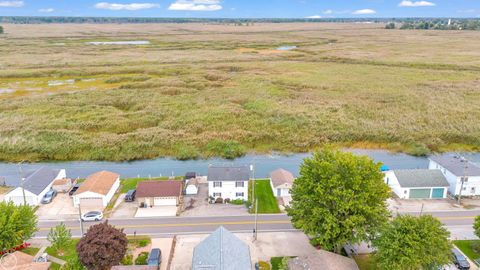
<point>92,216</point>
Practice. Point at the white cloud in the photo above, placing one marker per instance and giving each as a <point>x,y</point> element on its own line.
<point>46,10</point>
<point>12,4</point>
<point>131,6</point>
<point>328,11</point>
<point>314,17</point>
<point>364,12</point>
<point>416,4</point>
<point>196,5</point>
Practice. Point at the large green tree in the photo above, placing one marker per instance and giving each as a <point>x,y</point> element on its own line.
<point>60,237</point>
<point>102,247</point>
<point>339,198</point>
<point>17,223</point>
<point>410,243</point>
<point>476,226</point>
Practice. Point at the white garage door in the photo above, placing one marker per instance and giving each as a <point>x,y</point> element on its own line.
<point>91,202</point>
<point>164,201</point>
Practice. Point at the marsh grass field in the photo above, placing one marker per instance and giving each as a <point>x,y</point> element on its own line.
<point>202,90</point>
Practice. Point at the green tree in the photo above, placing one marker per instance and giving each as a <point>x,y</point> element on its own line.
<point>390,26</point>
<point>60,237</point>
<point>1,29</point>
<point>102,247</point>
<point>17,223</point>
<point>476,226</point>
<point>413,243</point>
<point>339,198</point>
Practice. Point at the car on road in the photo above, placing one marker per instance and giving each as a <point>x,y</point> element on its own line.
<point>49,196</point>
<point>130,196</point>
<point>459,260</point>
<point>155,258</point>
<point>73,190</point>
<point>92,216</point>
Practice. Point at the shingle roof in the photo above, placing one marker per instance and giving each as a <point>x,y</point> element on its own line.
<point>323,260</point>
<point>37,181</point>
<point>280,177</point>
<point>99,182</point>
<point>421,178</point>
<point>241,173</point>
<point>456,165</point>
<point>221,250</point>
<point>159,189</point>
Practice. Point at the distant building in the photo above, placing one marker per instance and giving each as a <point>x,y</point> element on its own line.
<point>228,182</point>
<point>221,250</point>
<point>35,184</point>
<point>97,190</point>
<point>281,182</point>
<point>159,193</point>
<point>192,186</point>
<point>455,168</point>
<point>417,184</point>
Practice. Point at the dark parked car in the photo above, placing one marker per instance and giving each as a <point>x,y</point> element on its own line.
<point>74,188</point>
<point>130,197</point>
<point>155,257</point>
<point>48,198</point>
<point>459,260</point>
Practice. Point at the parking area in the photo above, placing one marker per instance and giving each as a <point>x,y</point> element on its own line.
<point>124,209</point>
<point>198,206</point>
<point>60,208</point>
<point>156,211</point>
<point>425,205</point>
<point>264,248</point>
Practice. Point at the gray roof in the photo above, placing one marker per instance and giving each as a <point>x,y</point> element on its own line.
<point>421,178</point>
<point>221,250</point>
<point>456,165</point>
<point>37,181</point>
<point>241,173</point>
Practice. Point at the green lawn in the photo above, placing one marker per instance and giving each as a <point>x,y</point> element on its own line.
<point>267,203</point>
<point>31,251</point>
<point>365,262</point>
<point>54,266</point>
<point>68,253</point>
<point>131,183</point>
<point>276,262</point>
<point>466,247</point>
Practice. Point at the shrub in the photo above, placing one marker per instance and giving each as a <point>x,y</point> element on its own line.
<point>127,260</point>
<point>142,258</point>
<point>263,265</point>
<point>227,200</point>
<point>475,246</point>
<point>218,200</point>
<point>237,202</point>
<point>143,243</point>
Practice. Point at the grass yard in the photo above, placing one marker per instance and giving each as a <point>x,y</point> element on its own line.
<point>131,183</point>
<point>267,203</point>
<point>31,250</point>
<point>70,251</point>
<point>209,90</point>
<point>365,262</point>
<point>466,247</point>
<point>276,262</point>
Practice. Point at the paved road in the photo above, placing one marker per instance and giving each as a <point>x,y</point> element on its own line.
<point>454,220</point>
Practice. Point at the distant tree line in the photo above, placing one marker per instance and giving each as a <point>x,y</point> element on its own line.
<point>1,29</point>
<point>436,24</point>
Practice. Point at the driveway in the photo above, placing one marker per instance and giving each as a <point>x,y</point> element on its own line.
<point>60,208</point>
<point>198,206</point>
<point>165,245</point>
<point>266,246</point>
<point>124,209</point>
<point>156,211</point>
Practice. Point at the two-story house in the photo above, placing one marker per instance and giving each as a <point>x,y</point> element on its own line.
<point>457,169</point>
<point>228,182</point>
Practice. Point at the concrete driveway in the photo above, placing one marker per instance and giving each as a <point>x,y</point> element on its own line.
<point>156,211</point>
<point>124,209</point>
<point>165,245</point>
<point>60,208</point>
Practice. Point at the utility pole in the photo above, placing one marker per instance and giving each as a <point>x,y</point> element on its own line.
<point>254,200</point>
<point>463,179</point>
<point>22,181</point>
<point>80,218</point>
<point>256,223</point>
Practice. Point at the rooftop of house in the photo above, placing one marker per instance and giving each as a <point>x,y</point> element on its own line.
<point>37,181</point>
<point>420,178</point>
<point>147,189</point>
<point>221,250</point>
<point>99,182</point>
<point>457,165</point>
<point>240,173</point>
<point>322,260</point>
<point>281,176</point>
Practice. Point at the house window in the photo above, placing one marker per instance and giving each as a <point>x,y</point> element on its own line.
<point>239,184</point>
<point>217,194</point>
<point>404,192</point>
<point>217,184</point>
<point>239,194</point>
<point>464,188</point>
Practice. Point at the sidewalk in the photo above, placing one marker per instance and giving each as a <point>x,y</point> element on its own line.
<point>428,205</point>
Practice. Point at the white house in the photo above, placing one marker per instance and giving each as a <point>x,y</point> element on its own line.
<point>456,168</point>
<point>228,182</point>
<point>417,184</point>
<point>192,186</point>
<point>281,182</point>
<point>97,190</point>
<point>35,184</point>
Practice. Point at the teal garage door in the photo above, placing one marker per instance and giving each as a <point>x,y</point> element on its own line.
<point>437,193</point>
<point>423,193</point>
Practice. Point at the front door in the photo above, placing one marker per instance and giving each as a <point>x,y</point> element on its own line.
<point>279,192</point>
<point>472,191</point>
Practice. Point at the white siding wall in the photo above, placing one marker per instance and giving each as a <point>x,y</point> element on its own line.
<point>229,190</point>
<point>112,191</point>
<point>456,181</point>
<point>392,181</point>
<point>191,190</point>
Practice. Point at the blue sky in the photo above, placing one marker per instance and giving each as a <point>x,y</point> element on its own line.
<point>243,8</point>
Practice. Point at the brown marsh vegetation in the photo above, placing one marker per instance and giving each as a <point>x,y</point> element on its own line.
<point>200,90</point>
